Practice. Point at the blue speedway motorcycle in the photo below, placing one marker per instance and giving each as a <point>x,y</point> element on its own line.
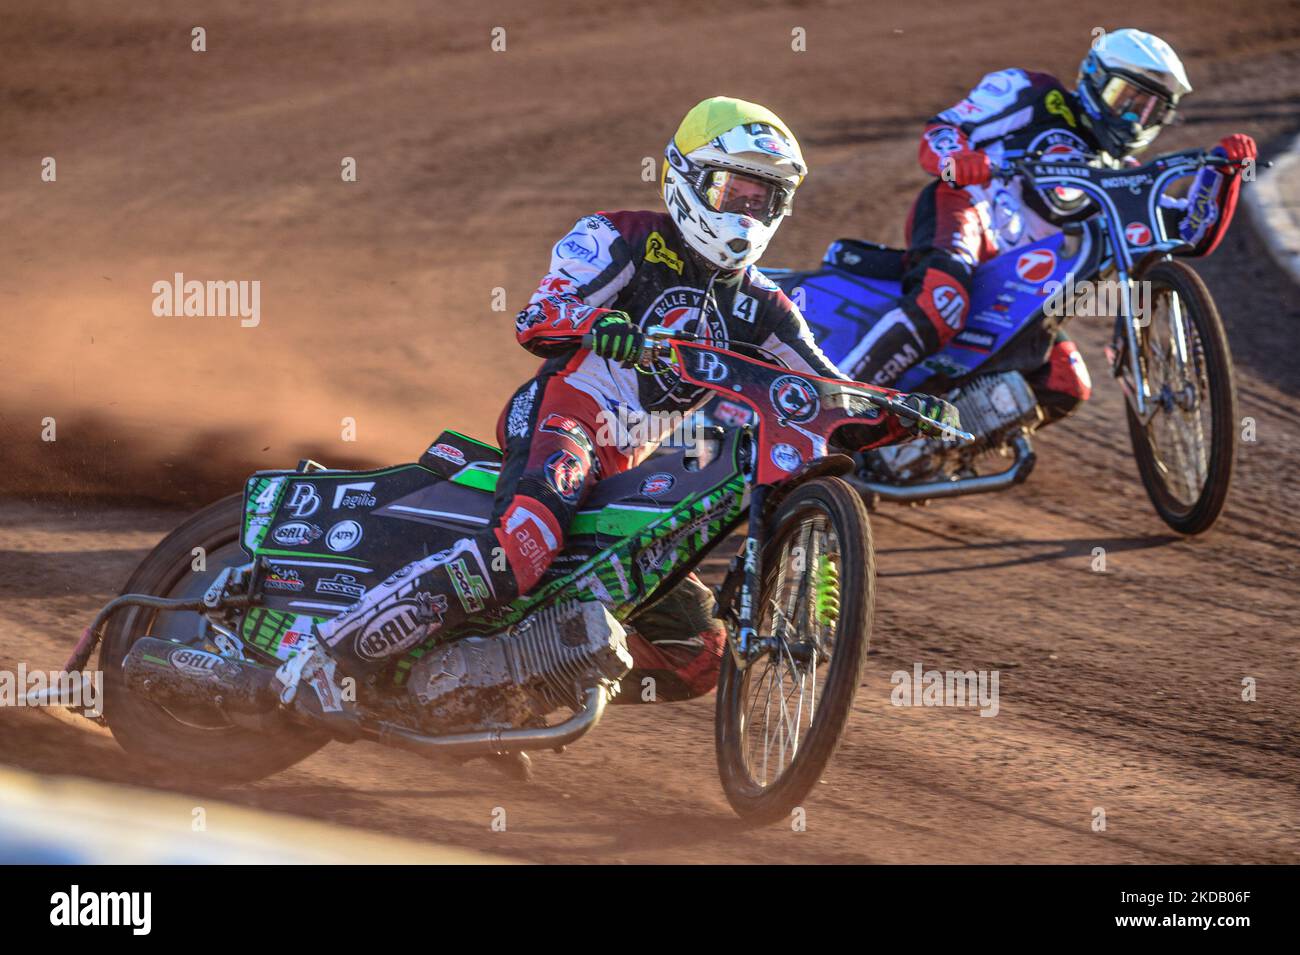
<point>1168,350</point>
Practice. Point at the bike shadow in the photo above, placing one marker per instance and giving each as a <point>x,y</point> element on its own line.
<point>1023,552</point>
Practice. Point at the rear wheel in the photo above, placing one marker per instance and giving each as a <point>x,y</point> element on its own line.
<point>1185,450</point>
<point>780,719</point>
<point>198,740</point>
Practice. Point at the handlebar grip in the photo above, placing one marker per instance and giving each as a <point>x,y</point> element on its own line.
<point>905,411</point>
<point>588,340</point>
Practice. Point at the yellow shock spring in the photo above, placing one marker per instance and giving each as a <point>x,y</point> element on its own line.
<point>827,584</point>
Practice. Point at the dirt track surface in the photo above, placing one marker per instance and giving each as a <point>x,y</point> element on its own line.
<point>1119,690</point>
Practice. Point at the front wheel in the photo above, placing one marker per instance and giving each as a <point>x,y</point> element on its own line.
<point>780,719</point>
<point>1185,450</point>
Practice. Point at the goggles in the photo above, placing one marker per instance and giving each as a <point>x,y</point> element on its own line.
<point>1134,103</point>
<point>725,190</point>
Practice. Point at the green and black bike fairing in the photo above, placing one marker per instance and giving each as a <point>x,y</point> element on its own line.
<point>637,535</point>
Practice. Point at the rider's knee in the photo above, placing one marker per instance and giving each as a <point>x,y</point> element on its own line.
<point>530,533</point>
<point>938,287</point>
<point>673,671</point>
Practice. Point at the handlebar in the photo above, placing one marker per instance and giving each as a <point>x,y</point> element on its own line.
<point>1017,165</point>
<point>659,338</point>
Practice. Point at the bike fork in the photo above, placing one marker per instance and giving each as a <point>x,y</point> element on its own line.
<point>750,582</point>
<point>1135,389</point>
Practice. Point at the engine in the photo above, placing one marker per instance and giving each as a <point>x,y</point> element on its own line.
<point>992,407</point>
<point>544,662</point>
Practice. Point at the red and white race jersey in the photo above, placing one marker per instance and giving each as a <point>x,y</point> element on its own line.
<point>638,263</point>
<point>1010,110</point>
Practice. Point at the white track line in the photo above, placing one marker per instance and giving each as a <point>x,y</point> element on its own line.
<point>1277,220</point>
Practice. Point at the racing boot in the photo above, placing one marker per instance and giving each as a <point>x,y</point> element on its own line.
<point>676,645</point>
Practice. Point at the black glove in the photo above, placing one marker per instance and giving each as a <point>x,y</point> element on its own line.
<point>613,336</point>
<point>931,407</point>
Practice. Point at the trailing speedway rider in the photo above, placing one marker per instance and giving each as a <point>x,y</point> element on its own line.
<point>1128,88</point>
<point>729,178</point>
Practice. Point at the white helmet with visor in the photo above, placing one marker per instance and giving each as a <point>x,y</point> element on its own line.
<point>1129,87</point>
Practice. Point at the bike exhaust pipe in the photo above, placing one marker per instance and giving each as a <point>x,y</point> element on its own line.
<point>497,742</point>
<point>176,674</point>
<point>914,493</point>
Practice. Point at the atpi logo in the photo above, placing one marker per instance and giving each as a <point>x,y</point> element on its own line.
<point>344,535</point>
<point>1036,265</point>
<point>1137,233</point>
<point>785,457</point>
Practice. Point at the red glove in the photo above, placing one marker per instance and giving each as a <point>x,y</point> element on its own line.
<point>967,167</point>
<point>1238,148</point>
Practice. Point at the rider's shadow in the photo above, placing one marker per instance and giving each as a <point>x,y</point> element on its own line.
<point>1277,107</point>
<point>851,131</point>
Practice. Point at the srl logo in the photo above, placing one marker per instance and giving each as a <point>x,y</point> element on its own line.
<point>1036,265</point>
<point>1137,233</point>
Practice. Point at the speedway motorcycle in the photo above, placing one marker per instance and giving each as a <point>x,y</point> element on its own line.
<point>1168,349</point>
<point>217,666</point>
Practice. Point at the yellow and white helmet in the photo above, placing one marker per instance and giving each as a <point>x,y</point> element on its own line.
<point>729,178</point>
